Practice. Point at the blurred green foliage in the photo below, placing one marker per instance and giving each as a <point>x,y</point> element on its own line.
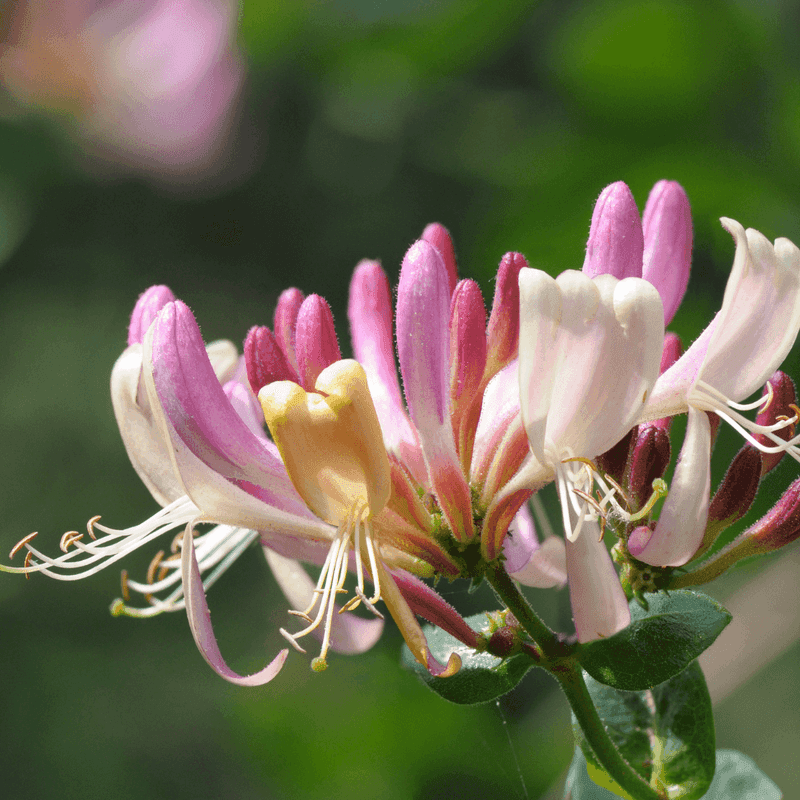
<point>367,120</point>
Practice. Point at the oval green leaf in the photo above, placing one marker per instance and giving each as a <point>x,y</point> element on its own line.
<point>482,677</point>
<point>659,643</point>
<point>665,733</point>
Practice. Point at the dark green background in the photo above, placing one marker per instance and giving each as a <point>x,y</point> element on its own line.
<point>501,120</point>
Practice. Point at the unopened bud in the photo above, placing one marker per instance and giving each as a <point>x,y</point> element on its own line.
<point>735,494</point>
<point>784,396</point>
<point>502,334</point>
<point>146,310</point>
<point>437,235</point>
<point>264,360</point>
<point>670,353</point>
<point>649,459</point>
<point>777,528</point>
<point>315,341</point>
<point>667,225</point>
<point>616,242</point>
<point>614,461</point>
<point>467,341</point>
<point>503,642</point>
<point>285,321</point>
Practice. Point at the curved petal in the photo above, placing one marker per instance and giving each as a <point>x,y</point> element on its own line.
<point>599,606</point>
<point>144,443</point>
<point>682,522</point>
<point>760,315</point>
<point>521,541</point>
<point>349,634</point>
<point>202,630</point>
<point>547,566</point>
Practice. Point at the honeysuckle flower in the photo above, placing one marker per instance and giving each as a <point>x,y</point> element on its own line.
<point>590,350</point>
<point>152,86</point>
<point>735,355</point>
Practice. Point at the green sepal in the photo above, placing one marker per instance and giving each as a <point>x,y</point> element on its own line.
<point>736,778</point>
<point>660,642</point>
<point>666,733</point>
<point>482,677</point>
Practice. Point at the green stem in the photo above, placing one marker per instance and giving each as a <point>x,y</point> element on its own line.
<point>571,680</point>
<point>506,589</point>
<point>568,673</point>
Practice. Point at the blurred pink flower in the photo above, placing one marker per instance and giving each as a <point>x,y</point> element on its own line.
<point>152,86</point>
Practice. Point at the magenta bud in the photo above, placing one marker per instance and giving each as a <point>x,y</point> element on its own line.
<point>437,235</point>
<point>781,524</point>
<point>671,352</point>
<point>667,224</point>
<point>264,360</point>
<point>502,334</point>
<point>285,322</point>
<point>736,492</point>
<point>649,460</point>
<point>784,397</point>
<point>315,342</point>
<point>467,340</point>
<point>150,302</point>
<point>614,461</point>
<point>616,241</point>
<point>638,539</point>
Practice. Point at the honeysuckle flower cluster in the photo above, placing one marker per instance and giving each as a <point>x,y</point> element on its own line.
<point>152,86</point>
<point>570,381</point>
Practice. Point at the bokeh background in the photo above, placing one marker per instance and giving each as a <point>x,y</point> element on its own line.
<point>359,122</point>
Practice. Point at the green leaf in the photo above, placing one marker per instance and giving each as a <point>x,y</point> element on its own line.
<point>659,643</point>
<point>665,733</point>
<point>737,778</point>
<point>482,677</point>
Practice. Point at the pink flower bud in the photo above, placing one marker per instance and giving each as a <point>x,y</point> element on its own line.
<point>467,340</point>
<point>735,494</point>
<point>638,539</point>
<point>285,322</point>
<point>502,335</point>
<point>316,344</point>
<point>264,360</point>
<point>148,305</point>
<point>784,396</point>
<point>437,235</point>
<point>616,242</point>
<point>649,460</point>
<point>667,224</point>
<point>670,353</point>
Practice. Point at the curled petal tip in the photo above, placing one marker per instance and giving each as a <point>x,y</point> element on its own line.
<point>146,310</point>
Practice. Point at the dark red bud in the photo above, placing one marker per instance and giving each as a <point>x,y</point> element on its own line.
<point>784,395</point>
<point>503,642</point>
<point>614,461</point>
<point>649,460</point>
<point>737,490</point>
<point>780,525</point>
<point>285,321</point>
<point>264,359</point>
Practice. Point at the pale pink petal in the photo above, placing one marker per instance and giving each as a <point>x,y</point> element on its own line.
<point>202,630</point>
<point>146,310</point>
<point>521,541</point>
<point>667,223</point>
<point>246,406</point>
<point>682,522</point>
<point>547,567</point>
<point>760,315</point>
<point>349,634</point>
<point>599,606</point>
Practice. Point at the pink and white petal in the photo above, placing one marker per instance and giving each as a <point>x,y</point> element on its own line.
<point>202,630</point>
<point>224,358</point>
<point>246,406</point>
<point>609,349</point>
<point>423,316</point>
<point>599,605</point>
<point>760,315</point>
<point>370,314</point>
<point>679,531</point>
<point>349,634</point>
<point>547,567</point>
<point>146,447</point>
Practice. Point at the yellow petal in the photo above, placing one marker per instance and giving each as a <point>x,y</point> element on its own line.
<point>330,441</point>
